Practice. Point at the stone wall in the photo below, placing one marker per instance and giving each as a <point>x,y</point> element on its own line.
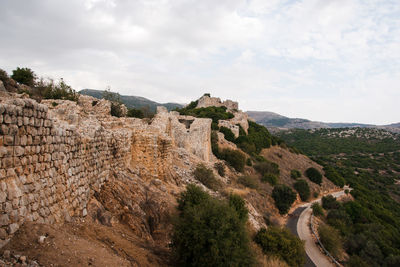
<point>49,172</point>
<point>55,155</point>
<point>206,101</point>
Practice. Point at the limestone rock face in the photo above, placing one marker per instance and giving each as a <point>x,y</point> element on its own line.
<point>2,88</point>
<point>234,128</point>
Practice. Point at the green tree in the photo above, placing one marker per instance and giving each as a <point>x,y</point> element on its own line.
<point>281,243</point>
<point>314,175</point>
<point>24,76</point>
<point>270,178</point>
<point>317,209</point>
<point>284,198</point>
<point>294,174</point>
<point>209,232</point>
<point>303,189</point>
<point>135,113</point>
<point>330,238</point>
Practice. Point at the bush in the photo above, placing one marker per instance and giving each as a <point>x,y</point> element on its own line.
<point>317,209</point>
<point>314,175</point>
<point>4,76</point>
<point>248,162</point>
<point>270,178</point>
<point>135,113</point>
<point>235,158</point>
<point>214,113</point>
<point>267,167</point>
<point>248,181</point>
<point>284,198</point>
<point>220,167</point>
<point>303,189</point>
<point>330,238</point>
<point>24,76</point>
<point>329,202</point>
<point>209,232</point>
<point>239,205</point>
<point>281,243</point>
<point>228,134</point>
<point>206,177</point>
<point>48,89</point>
<point>294,174</point>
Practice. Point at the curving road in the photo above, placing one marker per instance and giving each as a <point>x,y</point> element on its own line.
<point>298,223</point>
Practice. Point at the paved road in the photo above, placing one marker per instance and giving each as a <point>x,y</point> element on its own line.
<point>298,223</point>
<point>292,226</point>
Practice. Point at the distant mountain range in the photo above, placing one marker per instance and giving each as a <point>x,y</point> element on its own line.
<point>133,101</point>
<point>274,120</point>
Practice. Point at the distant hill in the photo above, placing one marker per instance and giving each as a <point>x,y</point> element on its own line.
<point>274,120</point>
<point>133,101</point>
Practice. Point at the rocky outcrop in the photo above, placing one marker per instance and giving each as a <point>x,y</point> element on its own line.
<point>207,101</point>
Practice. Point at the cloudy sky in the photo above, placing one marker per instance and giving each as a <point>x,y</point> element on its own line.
<point>327,60</point>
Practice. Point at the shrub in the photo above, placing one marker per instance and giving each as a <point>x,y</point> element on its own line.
<point>239,205</point>
<point>267,167</point>
<point>330,238</point>
<point>248,181</point>
<point>248,162</point>
<point>294,174</point>
<point>270,178</point>
<point>206,177</point>
<point>24,76</point>
<point>214,126</point>
<point>209,232</point>
<point>214,113</point>
<point>315,194</point>
<point>4,76</point>
<point>220,167</point>
<point>281,243</point>
<point>229,136</point>
<point>329,202</point>
<point>258,137</point>
<point>314,175</point>
<point>235,158</point>
<point>303,189</point>
<point>48,89</point>
<point>116,109</point>
<point>135,113</point>
<point>317,209</point>
<point>284,198</point>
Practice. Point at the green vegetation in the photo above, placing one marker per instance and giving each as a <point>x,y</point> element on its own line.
<point>294,174</point>
<point>206,176</point>
<point>284,198</point>
<point>258,137</point>
<point>314,175</point>
<point>227,133</point>
<point>24,76</point>
<point>135,113</point>
<point>270,178</point>
<point>369,161</point>
<point>330,238</point>
<point>329,202</point>
<point>303,189</point>
<point>248,181</point>
<point>235,158</point>
<point>267,167</point>
<point>116,103</point>
<point>214,113</point>
<point>334,176</point>
<point>281,243</point>
<point>317,209</point>
<point>48,89</point>
<point>220,167</point>
<point>239,205</point>
<point>210,232</point>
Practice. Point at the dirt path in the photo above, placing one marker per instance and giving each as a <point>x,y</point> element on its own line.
<point>301,219</point>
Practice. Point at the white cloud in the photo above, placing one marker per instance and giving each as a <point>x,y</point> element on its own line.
<point>334,60</point>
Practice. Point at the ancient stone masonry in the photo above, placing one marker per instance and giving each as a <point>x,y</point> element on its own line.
<point>55,155</point>
<point>240,117</point>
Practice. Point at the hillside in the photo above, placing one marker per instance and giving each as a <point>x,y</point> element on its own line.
<point>133,101</point>
<point>369,161</point>
<point>273,120</point>
<point>95,189</point>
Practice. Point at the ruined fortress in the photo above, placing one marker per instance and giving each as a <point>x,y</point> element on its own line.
<point>55,155</point>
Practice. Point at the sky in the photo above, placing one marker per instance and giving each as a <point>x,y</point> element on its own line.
<point>324,60</point>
